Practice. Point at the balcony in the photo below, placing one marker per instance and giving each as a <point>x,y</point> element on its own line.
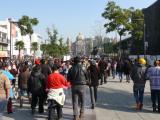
<point>3,41</point>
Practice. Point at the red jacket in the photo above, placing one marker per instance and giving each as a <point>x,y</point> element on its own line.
<point>56,81</point>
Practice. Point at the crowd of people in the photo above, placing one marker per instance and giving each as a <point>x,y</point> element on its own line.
<point>44,81</point>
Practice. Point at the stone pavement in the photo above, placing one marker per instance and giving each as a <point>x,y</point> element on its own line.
<point>115,102</point>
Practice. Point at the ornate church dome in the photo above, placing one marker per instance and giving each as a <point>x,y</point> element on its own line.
<point>80,37</point>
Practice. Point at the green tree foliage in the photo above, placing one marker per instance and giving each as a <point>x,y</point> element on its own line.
<point>137,31</point>
<point>43,48</point>
<point>52,35</point>
<point>110,47</point>
<point>117,19</point>
<point>34,46</point>
<point>56,48</point>
<point>26,24</point>
<point>19,45</point>
<point>137,24</point>
<point>124,21</point>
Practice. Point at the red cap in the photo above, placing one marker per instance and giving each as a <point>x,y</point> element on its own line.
<point>37,62</point>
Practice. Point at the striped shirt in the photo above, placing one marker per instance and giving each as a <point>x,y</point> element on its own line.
<point>153,74</point>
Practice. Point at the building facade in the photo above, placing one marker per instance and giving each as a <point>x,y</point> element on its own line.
<point>3,43</point>
<point>14,34</point>
<point>152,28</point>
<point>82,46</point>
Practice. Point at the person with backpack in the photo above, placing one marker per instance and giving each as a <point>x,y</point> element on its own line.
<point>36,86</point>
<point>138,75</point>
<point>78,79</point>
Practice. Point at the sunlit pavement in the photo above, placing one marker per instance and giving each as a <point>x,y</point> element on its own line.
<point>115,102</point>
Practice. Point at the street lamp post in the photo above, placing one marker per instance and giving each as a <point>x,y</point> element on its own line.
<point>10,37</point>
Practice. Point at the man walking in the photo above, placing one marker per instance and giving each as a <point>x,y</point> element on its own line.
<point>93,77</point>
<point>138,76</point>
<point>102,65</point>
<point>36,86</point>
<point>153,74</point>
<point>78,79</point>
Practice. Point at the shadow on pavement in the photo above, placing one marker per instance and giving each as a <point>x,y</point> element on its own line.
<point>120,100</point>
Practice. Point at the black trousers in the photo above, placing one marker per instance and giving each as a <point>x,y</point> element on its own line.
<point>103,77</point>
<point>93,93</point>
<point>52,106</point>
<point>38,98</point>
<point>155,97</point>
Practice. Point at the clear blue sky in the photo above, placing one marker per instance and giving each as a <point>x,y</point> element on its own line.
<point>69,16</point>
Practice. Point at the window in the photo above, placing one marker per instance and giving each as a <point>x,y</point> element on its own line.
<point>4,35</point>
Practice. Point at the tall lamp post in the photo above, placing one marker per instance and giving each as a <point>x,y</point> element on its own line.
<point>10,37</point>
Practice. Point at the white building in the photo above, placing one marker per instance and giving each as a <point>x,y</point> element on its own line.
<point>15,32</point>
<point>3,43</point>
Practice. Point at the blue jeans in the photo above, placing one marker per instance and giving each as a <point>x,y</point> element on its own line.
<point>113,73</point>
<point>138,90</point>
<point>120,74</point>
<point>3,104</point>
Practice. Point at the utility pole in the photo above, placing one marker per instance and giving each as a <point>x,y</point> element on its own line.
<point>10,37</point>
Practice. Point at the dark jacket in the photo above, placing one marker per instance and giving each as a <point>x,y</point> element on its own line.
<point>45,70</point>
<point>23,79</point>
<point>102,65</point>
<point>138,74</point>
<point>120,66</point>
<point>77,76</point>
<point>93,75</point>
<point>36,82</point>
<point>127,67</point>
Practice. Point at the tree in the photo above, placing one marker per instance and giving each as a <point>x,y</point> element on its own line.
<point>43,48</point>
<point>52,35</point>
<point>56,48</point>
<point>26,25</point>
<point>34,47</point>
<point>118,19</point>
<point>19,45</point>
<point>137,32</point>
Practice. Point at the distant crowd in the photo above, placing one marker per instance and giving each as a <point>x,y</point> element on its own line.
<point>43,81</point>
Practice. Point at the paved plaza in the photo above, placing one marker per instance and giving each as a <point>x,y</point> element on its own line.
<point>115,102</point>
